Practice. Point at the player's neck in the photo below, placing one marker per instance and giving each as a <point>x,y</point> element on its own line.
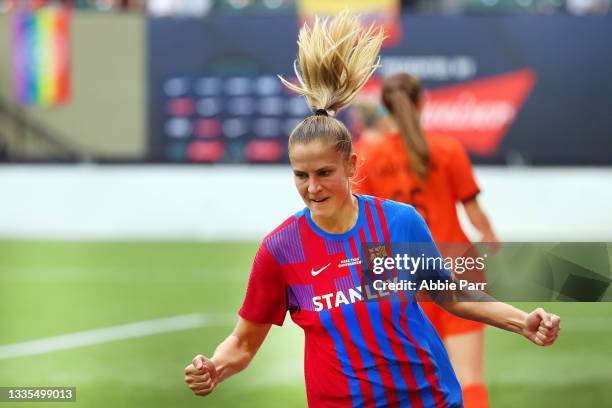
<point>343,220</point>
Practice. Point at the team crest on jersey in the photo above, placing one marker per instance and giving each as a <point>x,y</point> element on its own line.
<point>376,251</point>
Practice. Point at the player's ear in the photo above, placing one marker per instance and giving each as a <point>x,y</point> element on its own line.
<point>350,164</point>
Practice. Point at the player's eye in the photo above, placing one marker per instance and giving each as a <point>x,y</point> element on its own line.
<point>301,176</point>
<point>324,173</point>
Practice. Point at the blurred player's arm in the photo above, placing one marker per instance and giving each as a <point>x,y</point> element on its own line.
<point>231,356</point>
<point>479,220</point>
<point>466,190</point>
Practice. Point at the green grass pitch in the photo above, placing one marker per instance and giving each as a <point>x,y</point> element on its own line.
<point>51,288</point>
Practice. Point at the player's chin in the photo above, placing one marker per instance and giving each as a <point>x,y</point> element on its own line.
<point>320,208</point>
<point>318,212</point>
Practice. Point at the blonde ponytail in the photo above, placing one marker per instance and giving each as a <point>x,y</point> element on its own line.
<point>336,58</point>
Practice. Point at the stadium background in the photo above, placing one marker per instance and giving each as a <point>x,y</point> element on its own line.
<point>101,229</point>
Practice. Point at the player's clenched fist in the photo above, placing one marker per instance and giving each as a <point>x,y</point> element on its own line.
<point>201,375</point>
<point>541,327</point>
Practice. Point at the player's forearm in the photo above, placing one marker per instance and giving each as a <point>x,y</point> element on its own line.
<point>478,218</point>
<point>493,313</point>
<point>231,356</point>
<point>483,225</point>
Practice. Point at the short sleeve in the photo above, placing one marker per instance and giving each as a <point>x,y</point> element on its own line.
<point>266,296</point>
<point>463,182</point>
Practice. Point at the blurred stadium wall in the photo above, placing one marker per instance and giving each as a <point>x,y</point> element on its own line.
<point>219,203</point>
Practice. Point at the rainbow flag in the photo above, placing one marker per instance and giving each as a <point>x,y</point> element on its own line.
<point>41,55</point>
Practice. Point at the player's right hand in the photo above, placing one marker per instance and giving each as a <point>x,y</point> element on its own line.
<point>201,376</point>
<point>542,327</point>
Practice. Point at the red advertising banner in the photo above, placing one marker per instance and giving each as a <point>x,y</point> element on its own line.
<point>478,113</point>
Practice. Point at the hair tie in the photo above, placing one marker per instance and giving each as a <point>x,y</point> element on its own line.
<point>321,112</point>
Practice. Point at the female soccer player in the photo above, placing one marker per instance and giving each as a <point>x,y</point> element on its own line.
<point>431,173</point>
<point>357,352</point>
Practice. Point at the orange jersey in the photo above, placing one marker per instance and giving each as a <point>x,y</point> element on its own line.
<point>384,171</point>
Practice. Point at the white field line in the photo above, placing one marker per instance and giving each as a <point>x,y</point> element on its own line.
<point>185,322</point>
<point>114,333</point>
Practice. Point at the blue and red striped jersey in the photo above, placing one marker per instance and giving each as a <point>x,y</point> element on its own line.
<point>358,352</point>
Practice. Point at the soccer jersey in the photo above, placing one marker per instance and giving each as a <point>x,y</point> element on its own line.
<point>360,351</point>
<point>384,171</point>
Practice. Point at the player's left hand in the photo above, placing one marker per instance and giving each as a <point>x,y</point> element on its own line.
<point>542,327</point>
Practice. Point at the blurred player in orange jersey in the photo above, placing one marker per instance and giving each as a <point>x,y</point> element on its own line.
<point>369,120</point>
<point>432,173</point>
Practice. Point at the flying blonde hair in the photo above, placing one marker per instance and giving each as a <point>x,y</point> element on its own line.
<point>336,58</point>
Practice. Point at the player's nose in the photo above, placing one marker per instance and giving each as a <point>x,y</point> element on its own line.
<point>313,186</point>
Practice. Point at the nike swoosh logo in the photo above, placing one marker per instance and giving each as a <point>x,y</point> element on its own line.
<point>315,273</point>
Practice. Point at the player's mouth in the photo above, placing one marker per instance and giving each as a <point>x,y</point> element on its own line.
<point>320,200</point>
